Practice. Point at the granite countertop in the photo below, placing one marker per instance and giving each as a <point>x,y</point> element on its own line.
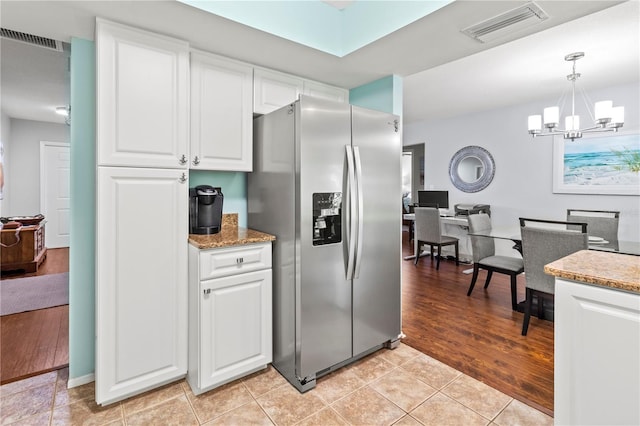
<point>614,270</point>
<point>230,235</point>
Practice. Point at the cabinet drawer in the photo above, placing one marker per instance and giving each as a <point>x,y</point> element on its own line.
<point>233,260</point>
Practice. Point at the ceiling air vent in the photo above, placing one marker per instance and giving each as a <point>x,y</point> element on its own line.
<point>506,23</point>
<point>47,43</point>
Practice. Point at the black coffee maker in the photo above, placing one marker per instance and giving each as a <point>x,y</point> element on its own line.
<point>205,209</point>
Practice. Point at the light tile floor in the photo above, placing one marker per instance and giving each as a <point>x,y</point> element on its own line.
<point>401,387</point>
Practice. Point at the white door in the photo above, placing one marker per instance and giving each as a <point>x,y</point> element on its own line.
<point>141,280</point>
<point>54,192</point>
<point>235,325</point>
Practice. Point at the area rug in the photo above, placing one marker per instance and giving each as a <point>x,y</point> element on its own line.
<point>31,293</point>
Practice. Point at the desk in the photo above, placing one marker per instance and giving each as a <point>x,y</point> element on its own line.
<point>452,226</point>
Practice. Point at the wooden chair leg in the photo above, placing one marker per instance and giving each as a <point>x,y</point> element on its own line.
<point>415,262</point>
<point>514,291</point>
<point>431,251</point>
<point>476,268</point>
<point>438,260</point>
<point>489,275</point>
<point>527,312</point>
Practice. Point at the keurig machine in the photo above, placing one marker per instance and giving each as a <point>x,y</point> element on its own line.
<point>205,209</point>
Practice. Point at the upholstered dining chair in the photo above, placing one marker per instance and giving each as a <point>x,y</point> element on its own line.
<point>542,245</point>
<point>600,223</point>
<point>428,230</point>
<point>484,256</point>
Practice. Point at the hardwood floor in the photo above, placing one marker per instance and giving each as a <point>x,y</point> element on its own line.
<point>35,342</point>
<point>478,335</point>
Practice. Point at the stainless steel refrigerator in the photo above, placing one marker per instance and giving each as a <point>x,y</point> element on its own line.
<point>327,183</point>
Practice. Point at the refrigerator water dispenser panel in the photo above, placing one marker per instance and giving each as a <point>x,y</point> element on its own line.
<point>327,218</point>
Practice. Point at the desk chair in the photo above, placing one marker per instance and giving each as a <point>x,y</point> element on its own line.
<point>541,246</point>
<point>428,230</point>
<point>484,256</point>
<point>600,223</point>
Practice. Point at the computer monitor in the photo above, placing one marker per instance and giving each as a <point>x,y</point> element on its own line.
<point>438,199</point>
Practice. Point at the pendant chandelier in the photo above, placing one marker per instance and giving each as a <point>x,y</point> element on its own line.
<point>607,118</point>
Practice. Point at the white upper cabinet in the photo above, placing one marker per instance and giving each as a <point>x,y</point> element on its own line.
<point>142,98</point>
<point>324,91</point>
<point>273,90</point>
<point>221,113</point>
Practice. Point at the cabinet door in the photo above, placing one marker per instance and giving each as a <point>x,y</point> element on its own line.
<point>142,82</point>
<point>221,114</point>
<point>324,91</point>
<point>141,280</point>
<point>235,326</point>
<point>273,90</point>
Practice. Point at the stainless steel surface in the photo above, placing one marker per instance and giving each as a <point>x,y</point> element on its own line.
<point>376,292</point>
<point>322,319</point>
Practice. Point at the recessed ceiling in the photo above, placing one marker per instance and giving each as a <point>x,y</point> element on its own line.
<point>337,28</point>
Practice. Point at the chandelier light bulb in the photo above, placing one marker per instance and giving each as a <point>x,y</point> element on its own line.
<point>603,111</point>
<point>572,123</point>
<point>551,117</point>
<point>617,116</point>
<point>535,123</point>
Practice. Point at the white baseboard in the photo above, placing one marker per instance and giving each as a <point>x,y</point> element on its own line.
<point>79,381</point>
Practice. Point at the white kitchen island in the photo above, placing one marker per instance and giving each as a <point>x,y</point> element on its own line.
<point>597,339</point>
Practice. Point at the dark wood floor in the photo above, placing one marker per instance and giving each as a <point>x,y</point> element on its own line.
<point>477,335</point>
<point>35,342</point>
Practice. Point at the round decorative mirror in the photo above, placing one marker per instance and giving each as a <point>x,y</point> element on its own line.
<point>471,169</point>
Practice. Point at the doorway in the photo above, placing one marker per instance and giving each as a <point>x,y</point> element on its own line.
<point>36,83</point>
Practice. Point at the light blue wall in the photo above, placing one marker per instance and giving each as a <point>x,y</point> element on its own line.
<point>384,94</point>
<point>234,189</point>
<point>83,210</point>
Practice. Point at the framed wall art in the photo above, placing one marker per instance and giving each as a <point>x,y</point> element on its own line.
<point>608,164</point>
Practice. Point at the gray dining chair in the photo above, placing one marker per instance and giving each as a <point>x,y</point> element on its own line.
<point>428,230</point>
<point>600,223</point>
<point>542,245</point>
<point>484,256</point>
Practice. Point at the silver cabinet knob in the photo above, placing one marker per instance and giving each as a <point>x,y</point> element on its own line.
<point>196,160</point>
<point>183,178</point>
<point>183,159</point>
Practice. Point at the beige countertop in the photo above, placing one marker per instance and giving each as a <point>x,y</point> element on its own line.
<point>614,270</point>
<point>230,235</point>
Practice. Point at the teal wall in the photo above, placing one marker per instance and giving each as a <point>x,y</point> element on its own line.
<point>234,189</point>
<point>384,94</point>
<point>83,210</point>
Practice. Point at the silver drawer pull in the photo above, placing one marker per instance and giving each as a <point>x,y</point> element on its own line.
<point>207,291</point>
<point>239,260</point>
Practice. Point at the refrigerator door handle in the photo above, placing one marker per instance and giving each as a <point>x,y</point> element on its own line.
<point>360,210</point>
<point>351,204</point>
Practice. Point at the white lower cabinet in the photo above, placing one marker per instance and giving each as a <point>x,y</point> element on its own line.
<point>597,355</point>
<point>230,315</point>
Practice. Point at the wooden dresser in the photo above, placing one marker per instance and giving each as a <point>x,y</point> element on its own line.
<point>27,254</point>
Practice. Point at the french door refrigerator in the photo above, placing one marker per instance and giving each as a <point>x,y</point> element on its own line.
<point>327,184</point>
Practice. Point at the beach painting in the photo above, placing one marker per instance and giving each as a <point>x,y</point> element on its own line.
<point>597,165</point>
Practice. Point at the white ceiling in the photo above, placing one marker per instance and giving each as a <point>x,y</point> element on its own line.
<point>445,72</point>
